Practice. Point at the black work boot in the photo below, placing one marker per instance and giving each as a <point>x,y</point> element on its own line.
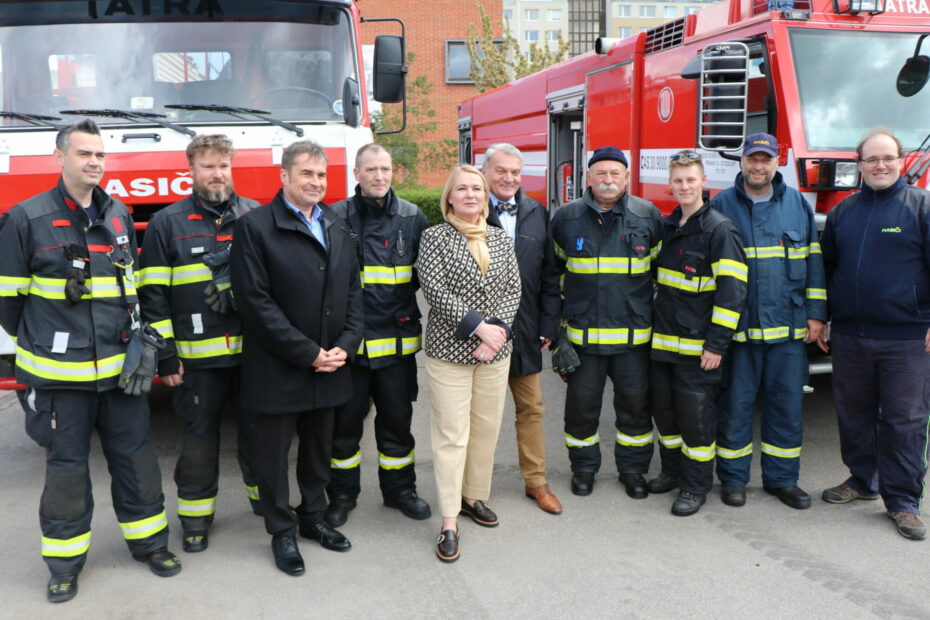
<point>62,588</point>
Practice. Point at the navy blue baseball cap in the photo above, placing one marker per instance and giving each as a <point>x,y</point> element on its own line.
<point>610,153</point>
<point>761,143</point>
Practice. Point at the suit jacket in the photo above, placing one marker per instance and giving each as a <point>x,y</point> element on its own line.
<point>540,300</point>
<point>460,298</point>
<point>295,297</point>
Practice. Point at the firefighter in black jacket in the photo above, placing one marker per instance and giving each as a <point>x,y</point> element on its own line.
<point>701,290</point>
<point>184,287</point>
<point>67,296</point>
<point>386,231</point>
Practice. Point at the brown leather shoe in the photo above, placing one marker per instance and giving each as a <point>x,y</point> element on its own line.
<point>545,498</point>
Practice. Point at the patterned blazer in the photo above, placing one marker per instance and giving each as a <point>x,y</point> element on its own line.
<point>460,298</point>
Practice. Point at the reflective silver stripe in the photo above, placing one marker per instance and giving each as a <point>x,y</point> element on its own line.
<point>196,507</point>
<point>135,530</point>
<point>573,442</point>
<point>66,548</point>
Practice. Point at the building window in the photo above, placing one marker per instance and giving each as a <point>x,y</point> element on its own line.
<point>531,15</point>
<point>624,10</point>
<point>647,10</point>
<point>691,10</point>
<point>668,11</point>
<point>508,14</point>
<point>552,35</point>
<point>554,15</point>
<point>530,35</point>
<point>458,62</point>
<point>624,31</point>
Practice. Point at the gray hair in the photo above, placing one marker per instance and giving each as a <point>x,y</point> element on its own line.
<point>63,139</point>
<point>371,147</point>
<point>503,147</point>
<point>302,147</point>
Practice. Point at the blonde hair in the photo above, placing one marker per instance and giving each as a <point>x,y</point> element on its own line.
<point>450,183</point>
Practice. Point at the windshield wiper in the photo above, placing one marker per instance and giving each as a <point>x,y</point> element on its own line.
<point>238,112</point>
<point>141,117</point>
<point>39,120</point>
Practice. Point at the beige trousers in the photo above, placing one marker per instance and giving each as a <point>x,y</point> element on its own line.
<point>467,404</point>
<point>531,442</point>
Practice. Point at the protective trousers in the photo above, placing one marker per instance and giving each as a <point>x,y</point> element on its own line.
<point>629,373</point>
<point>200,401</point>
<point>684,406</point>
<point>62,422</point>
<point>778,371</point>
<point>882,393</point>
<point>393,390</point>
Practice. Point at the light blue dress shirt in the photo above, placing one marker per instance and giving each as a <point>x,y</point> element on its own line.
<point>314,224</point>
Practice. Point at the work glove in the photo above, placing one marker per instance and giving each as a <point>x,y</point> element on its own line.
<point>77,257</point>
<point>564,358</point>
<point>141,361</point>
<point>218,293</point>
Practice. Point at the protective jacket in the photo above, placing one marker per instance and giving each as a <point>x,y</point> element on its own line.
<point>173,277</point>
<point>387,242</point>
<point>702,286</point>
<point>540,300</point>
<point>786,278</point>
<point>608,271</point>
<point>60,345</point>
<point>877,250</point>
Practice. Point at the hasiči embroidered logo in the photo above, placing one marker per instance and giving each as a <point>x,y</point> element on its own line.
<point>896,229</point>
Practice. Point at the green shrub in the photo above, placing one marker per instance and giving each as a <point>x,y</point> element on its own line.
<point>426,199</point>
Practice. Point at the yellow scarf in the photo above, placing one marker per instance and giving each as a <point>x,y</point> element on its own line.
<point>476,235</point>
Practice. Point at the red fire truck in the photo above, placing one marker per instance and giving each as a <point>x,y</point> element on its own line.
<point>154,73</point>
<point>817,74</point>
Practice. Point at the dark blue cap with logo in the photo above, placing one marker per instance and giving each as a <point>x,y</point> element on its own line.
<point>610,153</point>
<point>761,143</point>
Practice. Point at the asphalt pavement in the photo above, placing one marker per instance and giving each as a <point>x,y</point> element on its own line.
<point>606,556</point>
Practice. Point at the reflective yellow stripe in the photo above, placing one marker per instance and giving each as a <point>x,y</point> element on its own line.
<point>574,442</point>
<point>815,248</point>
<point>732,268</point>
<point>638,440</point>
<point>154,275</point>
<point>252,492</point>
<point>655,251</point>
<point>682,346</point>
<point>679,280</point>
<point>670,441</point>
<point>597,335</point>
<point>100,287</point>
<point>785,453</point>
<point>165,328</point>
<point>769,333</point>
<point>608,264</point>
<point>393,462</point>
<point>11,287</point>
<point>189,274</point>
<point>699,453</point>
<point>411,345</point>
<point>211,347</point>
<point>801,252</point>
<point>382,347</point>
<point>137,530</point>
<point>559,251</point>
<point>65,548</point>
<point>778,251</point>
<point>816,293</point>
<point>68,371</point>
<point>349,463</point>
<point>373,274</point>
<point>726,453</point>
<point>724,317</point>
<point>196,507</point>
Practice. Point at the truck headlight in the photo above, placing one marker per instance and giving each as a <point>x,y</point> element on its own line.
<point>846,174</point>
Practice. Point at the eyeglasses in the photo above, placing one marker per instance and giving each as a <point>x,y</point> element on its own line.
<point>888,160</point>
<point>685,155</point>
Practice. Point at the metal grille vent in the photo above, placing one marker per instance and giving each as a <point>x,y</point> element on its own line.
<point>665,35</point>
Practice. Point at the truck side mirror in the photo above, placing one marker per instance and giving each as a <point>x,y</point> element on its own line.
<point>913,75</point>
<point>351,102</point>
<point>390,69</point>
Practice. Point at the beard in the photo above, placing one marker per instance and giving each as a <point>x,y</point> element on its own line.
<point>214,196</point>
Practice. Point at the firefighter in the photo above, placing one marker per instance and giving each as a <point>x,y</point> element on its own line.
<point>184,287</point>
<point>527,223</point>
<point>605,244</point>
<point>701,289</point>
<point>386,231</point>
<point>67,294</point>
<point>786,305</point>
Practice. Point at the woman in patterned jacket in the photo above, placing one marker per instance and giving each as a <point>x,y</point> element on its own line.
<point>469,275</point>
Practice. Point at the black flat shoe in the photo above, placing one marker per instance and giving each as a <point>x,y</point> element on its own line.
<point>62,588</point>
<point>792,496</point>
<point>161,562</point>
<point>733,495</point>
<point>480,514</point>
<point>447,546</point>
<point>321,532</point>
<point>582,482</point>
<point>286,555</point>
<point>338,511</point>
<point>635,485</point>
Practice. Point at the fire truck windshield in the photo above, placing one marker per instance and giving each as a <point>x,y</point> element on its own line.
<point>293,70</point>
<point>846,81</point>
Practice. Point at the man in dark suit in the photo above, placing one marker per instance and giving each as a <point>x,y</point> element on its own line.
<point>295,280</point>
<point>526,222</point>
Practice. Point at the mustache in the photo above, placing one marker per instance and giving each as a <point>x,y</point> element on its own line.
<point>608,187</point>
